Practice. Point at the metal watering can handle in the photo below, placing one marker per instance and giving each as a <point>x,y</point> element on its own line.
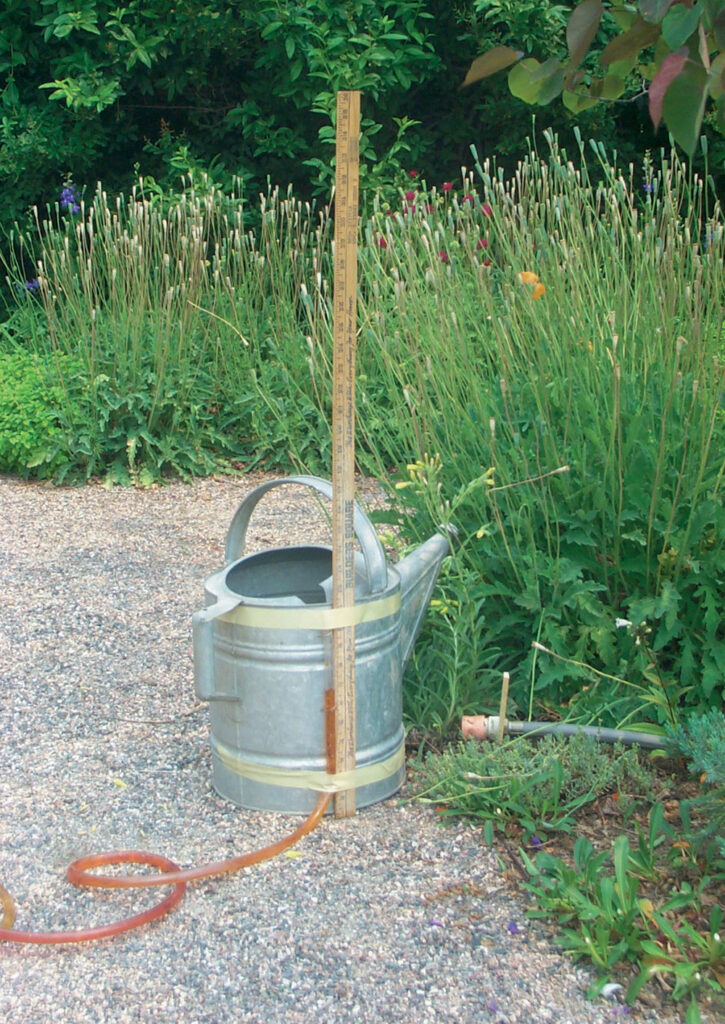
<point>370,545</point>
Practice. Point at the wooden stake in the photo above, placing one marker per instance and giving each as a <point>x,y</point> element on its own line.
<point>502,707</point>
<point>347,184</point>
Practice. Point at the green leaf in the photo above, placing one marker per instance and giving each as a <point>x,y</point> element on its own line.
<point>522,81</point>
<point>718,29</point>
<point>679,24</point>
<point>577,101</point>
<point>684,107</point>
<point>655,10</point>
<point>693,1013</point>
<point>489,63</point>
<point>610,87</point>
<point>550,79</point>
<point>716,81</point>
<point>637,38</point>
<point>581,29</point>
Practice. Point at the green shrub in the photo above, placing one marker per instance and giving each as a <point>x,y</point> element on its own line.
<point>565,336</point>
<point>701,739</point>
<point>34,438</point>
<point>539,785</point>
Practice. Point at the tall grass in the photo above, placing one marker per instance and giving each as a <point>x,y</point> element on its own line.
<point>567,336</point>
<point>540,363</point>
<point>176,312</point>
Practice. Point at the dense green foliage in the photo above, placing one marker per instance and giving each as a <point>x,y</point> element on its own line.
<point>645,908</point>
<point>538,785</point>
<point>591,550</point>
<point>676,47</point>
<point>90,89</point>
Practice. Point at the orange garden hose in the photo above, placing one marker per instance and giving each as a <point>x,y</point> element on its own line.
<point>79,874</point>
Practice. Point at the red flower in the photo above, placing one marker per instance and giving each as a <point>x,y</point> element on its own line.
<point>429,208</point>
<point>413,174</point>
<point>382,242</point>
<point>487,263</point>
<point>408,209</point>
<point>486,209</point>
<point>447,186</point>
<point>482,243</point>
<point>443,256</point>
<point>410,196</point>
<point>468,199</point>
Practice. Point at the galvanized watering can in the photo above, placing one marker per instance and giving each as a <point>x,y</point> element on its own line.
<point>262,653</point>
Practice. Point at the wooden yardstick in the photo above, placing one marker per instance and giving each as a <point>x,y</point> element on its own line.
<point>347,186</point>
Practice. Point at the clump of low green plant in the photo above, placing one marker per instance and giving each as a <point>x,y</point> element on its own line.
<point>538,785</point>
<point>654,907</point>
<point>701,739</point>
<point>34,434</point>
<point>183,325</point>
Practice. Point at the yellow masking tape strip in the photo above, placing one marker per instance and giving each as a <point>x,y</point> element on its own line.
<point>312,616</point>
<point>320,781</point>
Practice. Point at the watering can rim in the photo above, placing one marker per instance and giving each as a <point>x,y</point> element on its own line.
<point>372,550</point>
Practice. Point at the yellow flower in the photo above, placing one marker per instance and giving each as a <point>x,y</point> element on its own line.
<point>539,290</point>
<point>528,277</point>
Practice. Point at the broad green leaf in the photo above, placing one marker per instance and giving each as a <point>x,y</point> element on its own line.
<point>718,29</point>
<point>489,63</point>
<point>581,29</point>
<point>720,114</point>
<point>679,24</point>
<point>637,38</point>
<point>624,18</point>
<point>610,87</point>
<point>521,81</point>
<point>684,107</point>
<point>550,79</point>
<point>576,101</point>
<point>655,10</point>
<point>716,80</point>
<point>621,68</point>
<point>551,88</point>
<point>545,70</point>
<point>669,70</point>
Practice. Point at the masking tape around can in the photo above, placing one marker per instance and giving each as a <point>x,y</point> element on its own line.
<point>311,616</point>
<point>321,781</point>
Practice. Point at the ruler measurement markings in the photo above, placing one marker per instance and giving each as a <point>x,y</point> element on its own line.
<point>343,423</point>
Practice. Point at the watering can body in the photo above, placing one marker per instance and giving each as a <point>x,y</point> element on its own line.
<point>262,659</point>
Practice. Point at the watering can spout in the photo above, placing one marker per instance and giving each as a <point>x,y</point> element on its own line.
<point>418,574</point>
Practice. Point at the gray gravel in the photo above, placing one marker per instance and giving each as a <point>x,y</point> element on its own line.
<point>381,918</point>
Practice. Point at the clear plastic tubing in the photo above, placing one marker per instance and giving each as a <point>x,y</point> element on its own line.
<point>80,873</point>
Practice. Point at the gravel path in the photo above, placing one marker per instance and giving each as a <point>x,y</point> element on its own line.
<point>382,918</point>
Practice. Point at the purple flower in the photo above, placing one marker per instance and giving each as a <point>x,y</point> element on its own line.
<point>512,928</point>
<point>536,842</point>
<point>648,187</point>
<point>69,199</point>
<point>29,286</point>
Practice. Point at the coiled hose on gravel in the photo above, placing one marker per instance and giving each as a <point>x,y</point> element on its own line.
<point>79,873</point>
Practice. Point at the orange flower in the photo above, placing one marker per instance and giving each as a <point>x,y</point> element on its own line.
<point>528,277</point>
<point>539,290</point>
